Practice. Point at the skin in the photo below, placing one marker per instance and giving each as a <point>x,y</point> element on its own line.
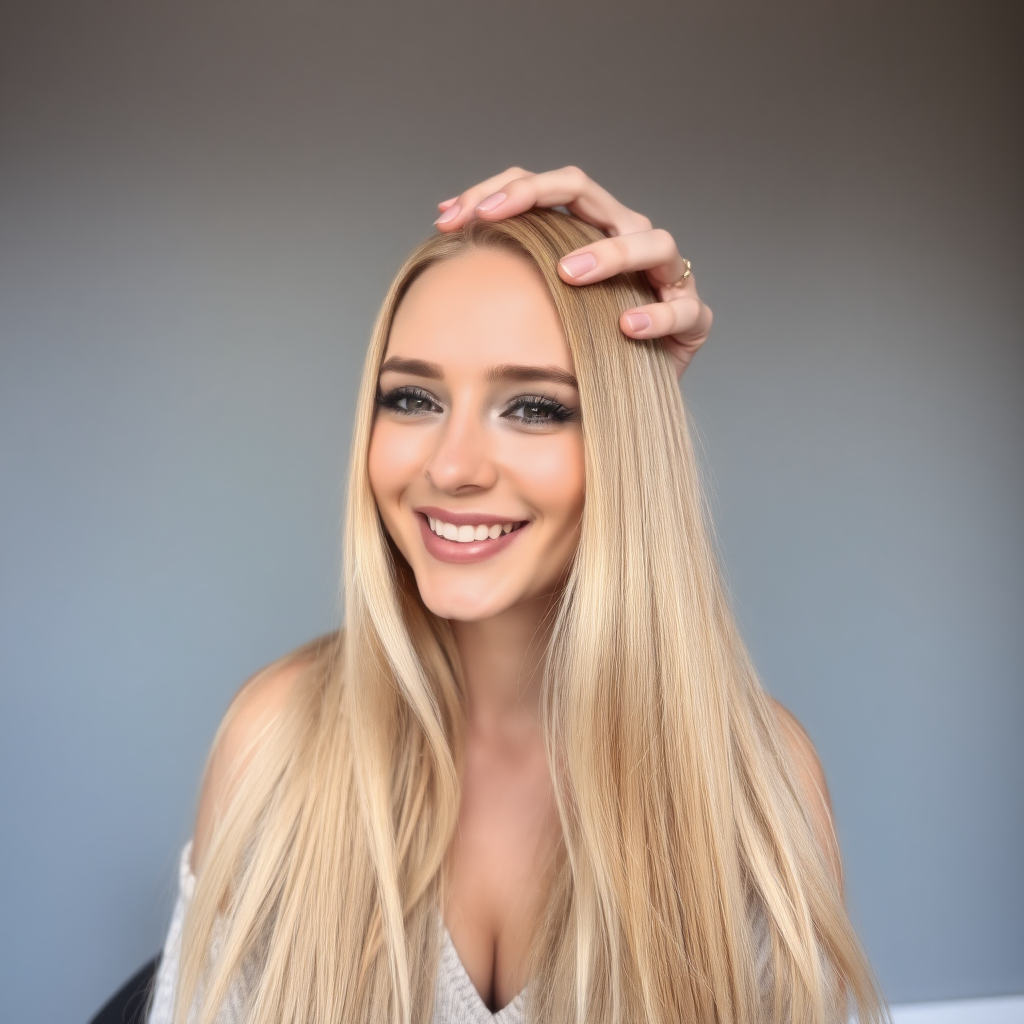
<point>477,448</point>
<point>465,444</point>
<point>469,439</point>
<point>680,318</point>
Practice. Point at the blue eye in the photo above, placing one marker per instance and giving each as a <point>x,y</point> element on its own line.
<point>408,401</point>
<point>536,410</point>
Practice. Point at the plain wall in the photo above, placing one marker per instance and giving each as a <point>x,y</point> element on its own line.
<point>201,205</point>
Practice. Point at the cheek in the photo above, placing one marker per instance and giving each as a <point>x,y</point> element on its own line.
<point>553,481</point>
<point>393,462</point>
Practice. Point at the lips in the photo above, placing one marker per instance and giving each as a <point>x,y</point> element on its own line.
<point>462,537</point>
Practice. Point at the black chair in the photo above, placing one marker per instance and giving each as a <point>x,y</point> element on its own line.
<point>128,1005</point>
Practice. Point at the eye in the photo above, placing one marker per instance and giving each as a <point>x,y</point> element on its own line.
<point>408,401</point>
<point>537,410</point>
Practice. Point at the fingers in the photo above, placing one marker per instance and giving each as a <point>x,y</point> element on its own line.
<point>516,191</point>
<point>456,211</point>
<point>654,251</point>
<point>684,324</point>
<point>568,187</point>
<point>680,318</point>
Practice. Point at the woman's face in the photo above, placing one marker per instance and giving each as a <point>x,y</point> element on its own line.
<point>476,456</point>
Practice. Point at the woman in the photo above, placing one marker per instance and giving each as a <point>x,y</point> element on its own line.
<point>536,776</point>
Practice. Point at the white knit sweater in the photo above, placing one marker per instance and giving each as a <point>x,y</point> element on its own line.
<point>456,1000</point>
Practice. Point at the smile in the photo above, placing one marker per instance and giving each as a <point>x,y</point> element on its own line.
<point>467,533</point>
<point>463,537</point>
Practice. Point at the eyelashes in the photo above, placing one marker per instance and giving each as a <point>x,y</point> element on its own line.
<point>523,410</point>
<point>538,409</point>
<point>407,401</point>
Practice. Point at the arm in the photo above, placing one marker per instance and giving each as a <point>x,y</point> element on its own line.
<point>813,786</point>
<point>680,318</point>
<point>252,711</point>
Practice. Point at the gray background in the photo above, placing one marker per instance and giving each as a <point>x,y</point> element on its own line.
<point>200,207</point>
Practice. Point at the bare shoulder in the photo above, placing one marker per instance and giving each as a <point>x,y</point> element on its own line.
<point>253,709</point>
<point>813,785</point>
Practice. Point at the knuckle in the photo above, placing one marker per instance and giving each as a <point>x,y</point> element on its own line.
<point>519,187</point>
<point>618,248</point>
<point>688,314</point>
<point>574,174</point>
<point>661,319</point>
<point>663,239</point>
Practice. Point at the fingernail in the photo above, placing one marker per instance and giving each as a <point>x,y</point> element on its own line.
<point>491,202</point>
<point>580,264</point>
<point>446,203</point>
<point>638,321</point>
<point>450,214</point>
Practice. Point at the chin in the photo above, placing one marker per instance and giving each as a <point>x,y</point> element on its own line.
<point>462,604</point>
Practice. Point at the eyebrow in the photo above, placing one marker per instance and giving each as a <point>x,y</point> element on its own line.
<point>507,373</point>
<point>417,367</point>
<point>516,373</point>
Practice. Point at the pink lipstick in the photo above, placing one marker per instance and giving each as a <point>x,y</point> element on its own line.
<point>447,549</point>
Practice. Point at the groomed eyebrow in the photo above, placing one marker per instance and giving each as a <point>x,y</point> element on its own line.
<point>515,373</point>
<point>507,373</point>
<point>417,367</point>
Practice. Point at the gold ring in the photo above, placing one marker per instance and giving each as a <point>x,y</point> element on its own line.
<point>682,280</point>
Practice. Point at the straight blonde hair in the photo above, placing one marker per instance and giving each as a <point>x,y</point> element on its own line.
<point>689,885</point>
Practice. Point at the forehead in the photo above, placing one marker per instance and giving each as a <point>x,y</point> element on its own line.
<point>479,309</point>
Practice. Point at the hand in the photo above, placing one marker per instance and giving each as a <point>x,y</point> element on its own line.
<point>680,318</point>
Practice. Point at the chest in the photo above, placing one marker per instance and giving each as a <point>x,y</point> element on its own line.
<point>499,869</point>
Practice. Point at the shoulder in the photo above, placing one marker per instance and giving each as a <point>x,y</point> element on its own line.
<point>253,710</point>
<point>813,787</point>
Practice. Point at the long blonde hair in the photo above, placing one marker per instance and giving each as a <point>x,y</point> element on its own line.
<point>689,887</point>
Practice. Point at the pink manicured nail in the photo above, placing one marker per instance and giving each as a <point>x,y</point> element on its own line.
<point>446,203</point>
<point>450,214</point>
<point>580,264</point>
<point>491,202</point>
<point>638,321</point>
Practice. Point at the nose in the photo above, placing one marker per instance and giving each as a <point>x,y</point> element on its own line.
<point>463,461</point>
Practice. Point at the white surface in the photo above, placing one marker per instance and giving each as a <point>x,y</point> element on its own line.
<point>1004,1010</point>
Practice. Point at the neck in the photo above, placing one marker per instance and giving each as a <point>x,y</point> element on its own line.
<point>502,665</point>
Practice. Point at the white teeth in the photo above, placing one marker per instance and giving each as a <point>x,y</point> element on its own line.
<point>466,534</point>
